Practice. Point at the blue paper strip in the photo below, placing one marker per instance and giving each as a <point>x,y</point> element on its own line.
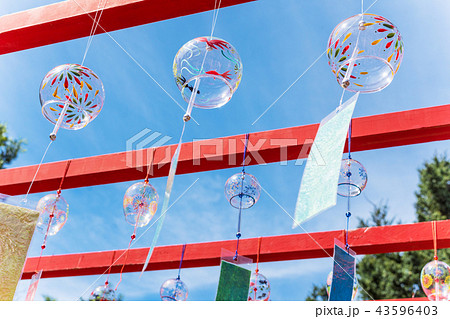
<point>318,189</point>
<point>343,275</point>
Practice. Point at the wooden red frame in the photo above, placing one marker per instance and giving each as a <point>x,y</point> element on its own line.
<point>372,240</point>
<point>70,20</point>
<point>368,133</point>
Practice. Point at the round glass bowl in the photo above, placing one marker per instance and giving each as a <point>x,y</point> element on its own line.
<point>259,288</point>
<point>173,290</point>
<point>209,66</point>
<point>53,211</point>
<point>352,178</point>
<point>242,190</point>
<point>75,86</point>
<point>140,204</point>
<point>103,293</point>
<point>435,280</point>
<point>378,52</point>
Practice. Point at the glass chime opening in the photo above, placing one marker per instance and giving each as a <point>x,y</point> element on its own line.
<point>352,178</point>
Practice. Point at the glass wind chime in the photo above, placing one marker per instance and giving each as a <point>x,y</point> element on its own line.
<point>242,191</point>
<point>71,96</point>
<point>140,204</point>
<point>259,289</point>
<point>435,275</point>
<point>53,212</point>
<point>174,289</point>
<point>207,71</point>
<point>364,52</point>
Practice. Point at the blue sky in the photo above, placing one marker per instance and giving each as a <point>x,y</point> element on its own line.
<point>277,41</point>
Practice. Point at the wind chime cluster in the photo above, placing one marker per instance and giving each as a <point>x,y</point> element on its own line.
<point>364,53</point>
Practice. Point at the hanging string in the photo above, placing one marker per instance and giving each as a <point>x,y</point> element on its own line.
<point>187,115</point>
<point>215,15</point>
<point>109,268</point>
<point>238,234</point>
<point>94,27</point>
<point>181,261</point>
<point>133,236</point>
<point>149,168</point>
<point>434,231</point>
<point>58,192</point>
<point>51,216</point>
<point>174,161</point>
<point>25,200</point>
<point>258,251</point>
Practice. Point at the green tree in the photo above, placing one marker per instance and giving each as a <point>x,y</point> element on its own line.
<point>318,293</point>
<point>397,275</point>
<point>9,148</point>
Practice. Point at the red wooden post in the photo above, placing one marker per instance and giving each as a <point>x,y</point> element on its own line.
<point>371,240</point>
<point>68,20</point>
<point>370,132</point>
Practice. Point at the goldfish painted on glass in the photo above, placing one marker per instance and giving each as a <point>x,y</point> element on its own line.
<point>225,75</point>
<point>214,43</point>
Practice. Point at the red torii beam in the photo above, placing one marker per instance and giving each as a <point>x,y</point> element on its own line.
<point>72,19</point>
<point>371,132</point>
<point>371,240</point>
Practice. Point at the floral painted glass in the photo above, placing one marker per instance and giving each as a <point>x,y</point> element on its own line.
<point>209,66</point>
<point>79,88</point>
<point>259,288</point>
<point>368,47</point>
<point>53,210</point>
<point>435,280</point>
<point>103,293</point>
<point>242,190</point>
<point>140,204</point>
<point>174,290</point>
<point>352,178</point>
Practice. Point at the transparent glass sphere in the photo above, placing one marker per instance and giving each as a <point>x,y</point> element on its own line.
<point>352,178</point>
<point>379,52</point>
<point>435,280</point>
<point>173,290</point>
<point>140,204</point>
<point>55,208</point>
<point>214,64</point>
<point>242,190</point>
<point>259,288</point>
<point>330,279</point>
<point>77,86</point>
<point>103,293</point>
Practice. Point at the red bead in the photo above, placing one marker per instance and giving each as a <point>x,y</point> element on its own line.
<point>43,246</point>
<point>133,237</point>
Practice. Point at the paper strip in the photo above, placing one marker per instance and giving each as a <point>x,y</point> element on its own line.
<point>318,189</point>
<point>234,282</point>
<point>16,230</point>
<point>343,274</point>
<point>170,180</point>
<point>33,286</point>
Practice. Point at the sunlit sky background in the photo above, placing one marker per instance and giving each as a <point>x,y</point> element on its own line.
<point>277,41</point>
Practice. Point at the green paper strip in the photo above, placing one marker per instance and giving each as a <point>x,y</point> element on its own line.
<point>234,282</point>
